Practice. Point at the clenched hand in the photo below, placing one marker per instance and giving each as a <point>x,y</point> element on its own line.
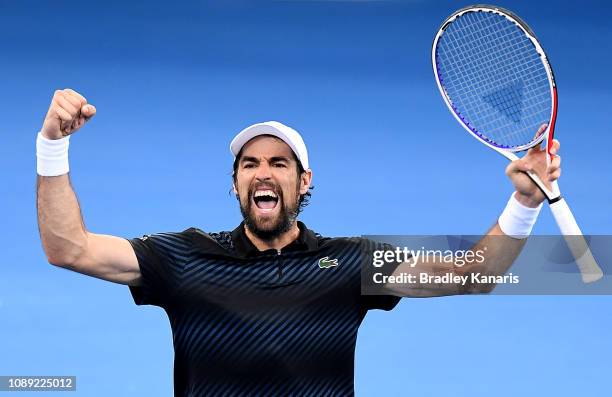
<point>68,112</point>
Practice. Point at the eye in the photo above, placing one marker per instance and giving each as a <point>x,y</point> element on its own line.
<point>248,165</point>
<point>280,165</point>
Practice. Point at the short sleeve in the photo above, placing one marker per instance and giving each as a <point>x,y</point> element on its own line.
<point>380,300</point>
<point>160,267</point>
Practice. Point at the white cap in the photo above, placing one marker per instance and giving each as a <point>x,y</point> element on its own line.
<point>290,136</point>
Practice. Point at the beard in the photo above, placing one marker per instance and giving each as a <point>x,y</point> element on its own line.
<point>269,229</point>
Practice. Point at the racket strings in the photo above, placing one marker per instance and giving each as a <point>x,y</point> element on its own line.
<point>507,99</point>
<point>494,78</point>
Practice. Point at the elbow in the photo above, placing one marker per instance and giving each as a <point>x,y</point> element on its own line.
<point>66,256</point>
<point>63,260</point>
<point>477,289</point>
<point>60,261</point>
<point>486,288</point>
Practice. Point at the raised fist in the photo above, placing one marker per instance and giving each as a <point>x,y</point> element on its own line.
<point>68,112</point>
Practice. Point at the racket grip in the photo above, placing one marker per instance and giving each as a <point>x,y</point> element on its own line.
<point>589,269</point>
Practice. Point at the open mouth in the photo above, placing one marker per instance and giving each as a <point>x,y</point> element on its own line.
<point>265,199</point>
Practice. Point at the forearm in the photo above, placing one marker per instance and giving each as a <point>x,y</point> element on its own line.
<point>504,241</point>
<point>60,223</point>
<point>499,253</point>
<point>435,275</point>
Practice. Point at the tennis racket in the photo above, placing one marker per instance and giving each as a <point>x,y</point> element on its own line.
<point>496,80</point>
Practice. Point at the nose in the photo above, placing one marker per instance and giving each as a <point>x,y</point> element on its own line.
<point>263,171</point>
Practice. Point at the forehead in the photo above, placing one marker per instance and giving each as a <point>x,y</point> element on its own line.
<point>266,146</point>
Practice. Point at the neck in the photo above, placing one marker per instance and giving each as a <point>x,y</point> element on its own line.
<point>277,243</point>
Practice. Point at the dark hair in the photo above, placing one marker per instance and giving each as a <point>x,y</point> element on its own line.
<point>304,199</point>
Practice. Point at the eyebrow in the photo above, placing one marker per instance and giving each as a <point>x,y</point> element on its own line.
<point>279,158</point>
<point>272,159</point>
<point>249,158</point>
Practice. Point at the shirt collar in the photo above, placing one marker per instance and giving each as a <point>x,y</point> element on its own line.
<point>244,247</point>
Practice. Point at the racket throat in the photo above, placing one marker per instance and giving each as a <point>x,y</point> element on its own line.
<point>554,200</point>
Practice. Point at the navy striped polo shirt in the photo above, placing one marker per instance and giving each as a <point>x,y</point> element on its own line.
<point>250,322</point>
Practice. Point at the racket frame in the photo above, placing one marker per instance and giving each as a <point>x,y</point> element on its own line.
<point>553,194</point>
<point>589,269</point>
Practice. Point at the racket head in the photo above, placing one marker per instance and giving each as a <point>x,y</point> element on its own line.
<point>495,78</point>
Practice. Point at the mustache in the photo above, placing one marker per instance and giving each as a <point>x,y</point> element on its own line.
<point>268,186</point>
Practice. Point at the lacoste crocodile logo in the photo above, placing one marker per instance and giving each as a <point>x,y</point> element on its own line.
<point>325,262</point>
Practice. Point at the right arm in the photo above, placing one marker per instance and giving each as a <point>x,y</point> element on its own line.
<point>66,241</point>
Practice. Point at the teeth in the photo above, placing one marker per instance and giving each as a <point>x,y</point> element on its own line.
<point>261,193</point>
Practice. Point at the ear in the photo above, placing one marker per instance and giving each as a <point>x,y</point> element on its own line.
<point>305,181</point>
<point>234,188</point>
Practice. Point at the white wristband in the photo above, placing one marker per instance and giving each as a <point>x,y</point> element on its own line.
<point>52,156</point>
<point>517,220</point>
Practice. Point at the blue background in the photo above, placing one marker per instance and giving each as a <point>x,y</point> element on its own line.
<point>174,82</point>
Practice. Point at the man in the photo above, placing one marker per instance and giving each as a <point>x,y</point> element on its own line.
<point>271,308</point>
